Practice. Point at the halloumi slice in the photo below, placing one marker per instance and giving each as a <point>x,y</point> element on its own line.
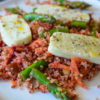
<point>62,13</point>
<point>75,45</point>
<point>14,30</point>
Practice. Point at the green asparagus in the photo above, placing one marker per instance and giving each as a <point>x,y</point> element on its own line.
<point>60,29</point>
<point>34,9</point>
<point>35,17</point>
<point>73,4</point>
<point>94,27</point>
<point>25,73</point>
<point>78,4</point>
<point>39,76</point>
<point>41,35</point>
<point>93,32</point>
<point>60,1</point>
<point>54,89</point>
<point>81,24</point>
<point>14,10</point>
<point>58,92</point>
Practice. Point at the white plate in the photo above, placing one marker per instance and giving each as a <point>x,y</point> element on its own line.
<point>93,93</point>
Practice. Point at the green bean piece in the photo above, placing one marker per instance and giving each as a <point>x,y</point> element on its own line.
<point>81,24</point>
<point>35,17</point>
<point>54,89</point>
<point>58,92</point>
<point>14,10</point>
<point>60,29</point>
<point>78,4</point>
<point>25,73</point>
<point>39,76</point>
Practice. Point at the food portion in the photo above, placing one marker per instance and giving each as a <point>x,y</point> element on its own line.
<point>53,49</point>
<point>54,89</point>
<point>72,4</point>
<point>14,30</point>
<point>35,17</point>
<point>74,45</point>
<point>62,13</point>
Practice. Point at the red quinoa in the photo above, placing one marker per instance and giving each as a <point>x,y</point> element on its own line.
<point>15,59</point>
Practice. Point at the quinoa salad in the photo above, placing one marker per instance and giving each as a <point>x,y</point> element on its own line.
<point>53,49</point>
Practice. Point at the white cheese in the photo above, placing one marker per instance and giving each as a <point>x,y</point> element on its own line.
<point>14,30</point>
<point>62,13</point>
<point>75,45</point>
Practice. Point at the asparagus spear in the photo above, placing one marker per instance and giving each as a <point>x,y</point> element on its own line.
<point>14,10</point>
<point>35,17</point>
<point>39,76</point>
<point>60,29</point>
<point>78,4</point>
<point>60,1</point>
<point>94,27</point>
<point>81,24</point>
<point>93,32</point>
<point>58,92</point>
<point>34,9</point>
<point>54,89</point>
<point>73,4</point>
<point>25,73</point>
<point>41,35</point>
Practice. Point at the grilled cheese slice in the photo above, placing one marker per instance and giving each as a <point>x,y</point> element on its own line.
<point>14,30</point>
<point>62,13</point>
<point>75,45</point>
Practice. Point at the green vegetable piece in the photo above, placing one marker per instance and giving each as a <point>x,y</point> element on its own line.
<point>95,28</point>
<point>34,9</point>
<point>25,73</point>
<point>58,22</point>
<point>54,89</point>
<point>14,10</point>
<point>41,35</point>
<point>78,4</point>
<point>58,92</point>
<point>35,17</point>
<point>81,24</point>
<point>73,4</point>
<point>60,29</point>
<point>93,32</point>
<point>60,1</point>
<point>39,76</point>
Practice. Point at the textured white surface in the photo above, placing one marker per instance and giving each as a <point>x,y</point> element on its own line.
<point>15,31</point>
<point>74,45</point>
<point>6,93</point>
<point>62,13</point>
